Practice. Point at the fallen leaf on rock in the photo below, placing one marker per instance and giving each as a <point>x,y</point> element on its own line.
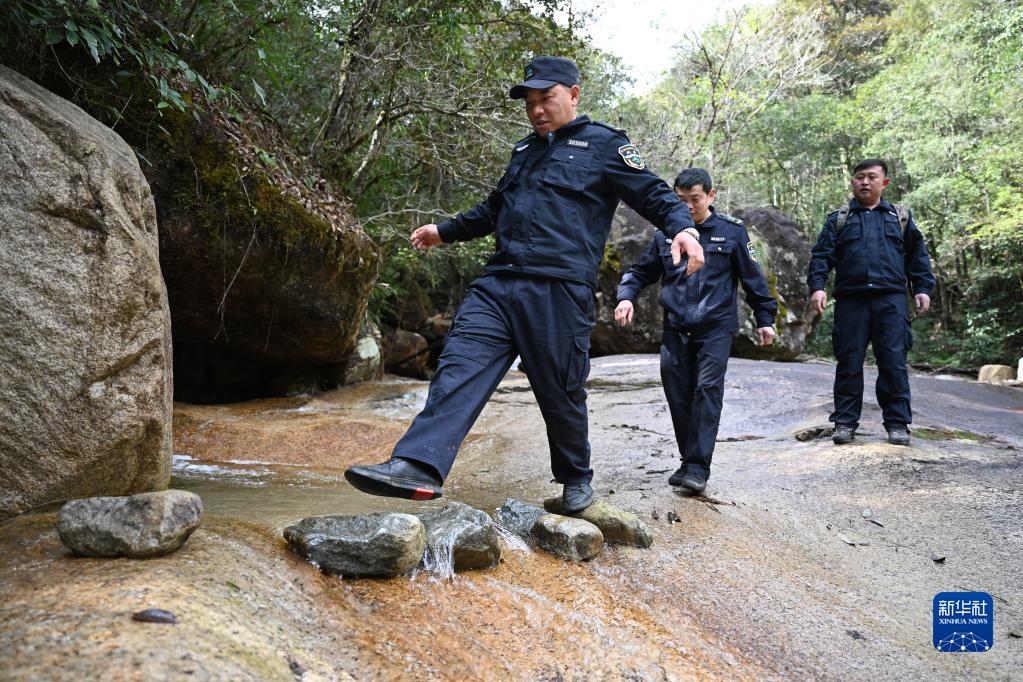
<point>855,634</point>
<point>1016,633</point>
<point>846,540</point>
<point>937,558</point>
<point>876,522</point>
<point>655,514</point>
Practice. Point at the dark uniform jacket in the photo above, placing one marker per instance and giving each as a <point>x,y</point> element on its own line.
<point>552,209</point>
<point>870,254</point>
<point>706,300</point>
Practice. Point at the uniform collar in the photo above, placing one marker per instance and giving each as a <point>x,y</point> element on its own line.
<point>855,205</point>
<point>575,122</point>
<point>711,220</point>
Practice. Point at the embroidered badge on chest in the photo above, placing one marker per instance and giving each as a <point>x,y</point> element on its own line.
<point>630,155</point>
<point>718,239</point>
<point>752,252</point>
<point>582,144</point>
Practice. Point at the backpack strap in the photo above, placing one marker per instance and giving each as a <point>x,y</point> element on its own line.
<point>843,215</point>
<point>903,213</point>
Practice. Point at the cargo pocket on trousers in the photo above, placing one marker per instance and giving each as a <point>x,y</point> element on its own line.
<point>578,364</point>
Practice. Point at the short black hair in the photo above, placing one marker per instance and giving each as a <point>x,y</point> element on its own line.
<point>691,177</point>
<point>870,163</point>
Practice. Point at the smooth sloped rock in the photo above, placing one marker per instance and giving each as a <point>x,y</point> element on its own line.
<point>385,544</point>
<point>993,374</point>
<point>567,537</point>
<point>616,525</point>
<point>138,526</point>
<point>518,517</point>
<point>85,355</point>
<point>1019,370</point>
<point>461,538</point>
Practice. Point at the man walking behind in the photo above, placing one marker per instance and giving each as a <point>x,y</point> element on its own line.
<point>876,250</point>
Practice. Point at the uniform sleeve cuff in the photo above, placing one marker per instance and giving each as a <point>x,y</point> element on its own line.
<point>445,230</point>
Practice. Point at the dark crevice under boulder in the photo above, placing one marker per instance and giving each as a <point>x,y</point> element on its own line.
<point>268,279</point>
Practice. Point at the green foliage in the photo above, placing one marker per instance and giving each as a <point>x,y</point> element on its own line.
<point>935,88</point>
<point>120,35</point>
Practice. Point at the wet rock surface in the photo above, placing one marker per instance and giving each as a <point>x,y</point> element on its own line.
<point>567,537</point>
<point>85,407</point>
<point>616,525</point>
<point>461,538</point>
<point>138,526</point>
<point>779,592</point>
<point>518,517</point>
<point>372,545</point>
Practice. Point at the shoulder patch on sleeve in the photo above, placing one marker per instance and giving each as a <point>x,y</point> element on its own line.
<point>752,252</point>
<point>631,156</point>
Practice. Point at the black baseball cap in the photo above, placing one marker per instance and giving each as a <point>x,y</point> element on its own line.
<point>543,72</point>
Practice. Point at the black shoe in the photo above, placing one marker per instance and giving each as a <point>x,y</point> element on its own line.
<point>898,434</point>
<point>843,434</point>
<point>695,482</point>
<point>576,496</point>
<point>396,477</point>
<point>676,478</point>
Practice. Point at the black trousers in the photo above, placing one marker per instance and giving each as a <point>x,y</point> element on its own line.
<point>882,320</point>
<point>545,321</point>
<point>693,375</point>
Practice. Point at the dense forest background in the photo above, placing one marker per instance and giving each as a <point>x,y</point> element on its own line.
<point>402,106</point>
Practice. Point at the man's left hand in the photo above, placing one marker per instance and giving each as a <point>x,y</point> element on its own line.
<point>923,303</point>
<point>765,336</point>
<point>684,242</point>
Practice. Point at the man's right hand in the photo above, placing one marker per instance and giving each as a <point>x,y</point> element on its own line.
<point>623,313</point>
<point>685,243</point>
<point>818,300</point>
<point>426,236</point>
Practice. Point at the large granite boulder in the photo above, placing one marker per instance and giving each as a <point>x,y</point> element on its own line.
<point>784,254</point>
<point>268,278</point>
<point>85,360</point>
<point>138,526</point>
<point>782,250</point>
<point>385,544</point>
<point>406,354</point>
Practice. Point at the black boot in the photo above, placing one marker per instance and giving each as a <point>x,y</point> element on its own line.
<point>397,477</point>
<point>576,496</point>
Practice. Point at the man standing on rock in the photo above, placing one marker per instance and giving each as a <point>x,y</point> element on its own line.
<point>700,320</point>
<point>551,213</point>
<point>875,248</point>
